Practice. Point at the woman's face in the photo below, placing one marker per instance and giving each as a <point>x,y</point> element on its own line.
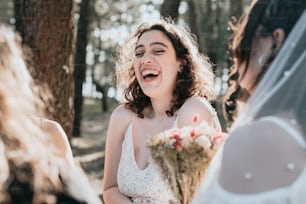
<point>155,64</point>
<point>260,52</point>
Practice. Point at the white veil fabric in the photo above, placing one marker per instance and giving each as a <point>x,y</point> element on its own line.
<point>282,90</point>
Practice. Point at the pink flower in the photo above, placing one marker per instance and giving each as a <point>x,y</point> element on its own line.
<point>193,134</point>
<point>180,148</point>
<point>219,136</point>
<point>178,141</point>
<point>176,131</point>
<point>195,118</point>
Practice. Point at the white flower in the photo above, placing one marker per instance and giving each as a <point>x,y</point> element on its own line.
<point>185,132</point>
<point>203,141</point>
<point>186,141</point>
<point>171,142</point>
<point>204,129</point>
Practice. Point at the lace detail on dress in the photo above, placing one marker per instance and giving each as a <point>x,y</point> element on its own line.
<point>140,185</point>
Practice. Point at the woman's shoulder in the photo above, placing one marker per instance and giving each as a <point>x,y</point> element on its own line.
<point>122,113</point>
<point>120,118</point>
<point>197,103</point>
<point>195,107</point>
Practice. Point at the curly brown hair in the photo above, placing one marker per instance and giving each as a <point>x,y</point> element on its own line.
<point>195,79</point>
<point>267,15</point>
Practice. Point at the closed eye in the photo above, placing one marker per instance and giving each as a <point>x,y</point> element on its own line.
<point>139,54</point>
<point>158,52</point>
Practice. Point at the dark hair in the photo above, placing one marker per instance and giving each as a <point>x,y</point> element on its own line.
<point>267,15</point>
<point>196,77</point>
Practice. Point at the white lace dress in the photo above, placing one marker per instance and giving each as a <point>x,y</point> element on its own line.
<point>141,185</point>
<point>211,192</point>
<point>145,185</point>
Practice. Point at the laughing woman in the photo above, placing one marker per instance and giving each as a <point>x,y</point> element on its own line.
<point>166,83</point>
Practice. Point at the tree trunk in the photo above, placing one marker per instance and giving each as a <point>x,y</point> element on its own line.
<point>170,8</point>
<point>102,89</point>
<point>48,28</point>
<point>210,32</point>
<point>80,66</point>
<point>193,20</point>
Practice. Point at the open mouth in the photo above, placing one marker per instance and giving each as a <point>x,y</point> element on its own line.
<point>149,74</point>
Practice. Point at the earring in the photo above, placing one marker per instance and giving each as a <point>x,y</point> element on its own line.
<point>180,69</point>
<point>262,58</point>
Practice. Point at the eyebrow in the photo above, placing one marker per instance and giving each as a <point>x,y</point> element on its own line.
<point>153,43</point>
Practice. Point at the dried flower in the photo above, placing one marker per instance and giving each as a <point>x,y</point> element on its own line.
<point>183,156</point>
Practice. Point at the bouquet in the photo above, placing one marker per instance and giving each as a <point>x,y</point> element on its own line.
<point>183,155</point>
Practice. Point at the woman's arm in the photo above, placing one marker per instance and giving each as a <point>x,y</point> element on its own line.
<point>118,124</point>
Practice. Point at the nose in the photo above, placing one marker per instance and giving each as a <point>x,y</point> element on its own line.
<point>146,59</point>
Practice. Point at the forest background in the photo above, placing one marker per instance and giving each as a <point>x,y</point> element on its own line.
<point>74,45</point>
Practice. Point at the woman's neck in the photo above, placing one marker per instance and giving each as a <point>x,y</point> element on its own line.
<point>159,108</point>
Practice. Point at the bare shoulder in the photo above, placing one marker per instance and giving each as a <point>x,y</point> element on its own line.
<point>51,124</point>
<point>119,120</point>
<point>53,128</point>
<point>262,148</point>
<point>59,138</point>
<point>122,114</point>
<point>195,106</point>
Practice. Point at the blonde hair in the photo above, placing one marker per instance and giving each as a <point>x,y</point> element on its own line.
<point>24,148</point>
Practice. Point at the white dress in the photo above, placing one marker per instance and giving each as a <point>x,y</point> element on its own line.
<point>141,185</point>
<point>211,191</point>
<point>145,185</point>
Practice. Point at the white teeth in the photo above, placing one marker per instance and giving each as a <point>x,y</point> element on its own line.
<point>147,72</point>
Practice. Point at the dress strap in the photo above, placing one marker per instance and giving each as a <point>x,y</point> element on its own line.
<point>174,125</point>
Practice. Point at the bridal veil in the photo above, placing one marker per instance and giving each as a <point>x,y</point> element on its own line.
<point>282,90</point>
